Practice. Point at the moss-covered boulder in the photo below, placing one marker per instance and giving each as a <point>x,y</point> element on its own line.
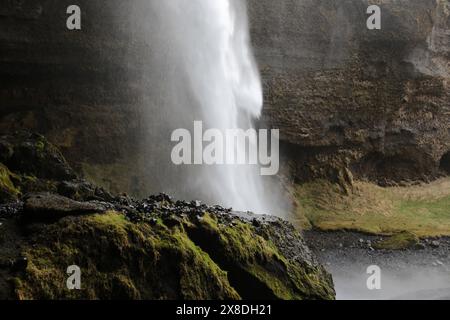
<point>208,256</point>
<point>25,152</point>
<point>156,248</point>
<point>119,259</point>
<point>173,251</point>
<point>265,257</point>
<point>30,164</point>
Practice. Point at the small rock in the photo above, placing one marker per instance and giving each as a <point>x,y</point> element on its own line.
<point>42,207</point>
<point>419,246</point>
<point>435,244</point>
<point>256,223</point>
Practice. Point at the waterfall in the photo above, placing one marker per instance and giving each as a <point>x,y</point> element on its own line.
<point>202,69</point>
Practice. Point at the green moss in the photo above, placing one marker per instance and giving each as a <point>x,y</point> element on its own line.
<point>29,183</point>
<point>120,259</point>
<point>422,209</point>
<point>398,241</point>
<point>110,219</point>
<point>40,145</point>
<point>8,190</point>
<point>256,259</point>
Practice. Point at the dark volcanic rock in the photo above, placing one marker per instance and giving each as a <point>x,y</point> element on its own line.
<point>376,102</point>
<point>344,97</point>
<point>155,248</point>
<point>30,153</point>
<point>173,251</point>
<point>30,164</point>
<point>50,207</point>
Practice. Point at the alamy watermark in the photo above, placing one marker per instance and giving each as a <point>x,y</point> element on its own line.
<point>74,20</point>
<point>74,280</point>
<point>374,20</point>
<point>374,280</point>
<point>227,147</point>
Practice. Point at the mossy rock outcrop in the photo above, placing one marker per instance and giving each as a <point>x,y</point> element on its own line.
<point>30,164</point>
<point>197,256</point>
<point>156,248</point>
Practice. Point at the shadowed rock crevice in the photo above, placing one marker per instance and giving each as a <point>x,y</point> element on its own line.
<point>246,284</point>
<point>259,269</point>
<point>387,169</point>
<point>445,163</point>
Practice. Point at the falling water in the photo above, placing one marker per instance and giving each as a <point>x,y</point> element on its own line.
<point>202,68</point>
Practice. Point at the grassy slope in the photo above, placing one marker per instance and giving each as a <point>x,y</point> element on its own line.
<point>423,209</point>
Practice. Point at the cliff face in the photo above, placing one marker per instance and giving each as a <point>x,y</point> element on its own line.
<point>76,87</point>
<point>375,103</point>
<point>345,97</point>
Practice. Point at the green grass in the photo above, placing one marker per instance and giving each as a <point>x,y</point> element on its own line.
<point>423,209</point>
<point>398,241</point>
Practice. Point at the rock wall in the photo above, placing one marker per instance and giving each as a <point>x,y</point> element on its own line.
<point>375,103</point>
<point>75,87</point>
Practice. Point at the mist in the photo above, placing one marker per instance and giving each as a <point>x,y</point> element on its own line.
<point>199,66</point>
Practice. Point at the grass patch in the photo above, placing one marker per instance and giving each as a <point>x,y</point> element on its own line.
<point>398,241</point>
<point>423,210</point>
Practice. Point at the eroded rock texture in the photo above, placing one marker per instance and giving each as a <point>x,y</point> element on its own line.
<point>374,101</point>
<point>77,88</point>
<point>347,100</point>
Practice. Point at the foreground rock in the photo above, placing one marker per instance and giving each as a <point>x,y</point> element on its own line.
<point>47,207</point>
<point>164,254</point>
<point>156,248</point>
<point>172,258</point>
